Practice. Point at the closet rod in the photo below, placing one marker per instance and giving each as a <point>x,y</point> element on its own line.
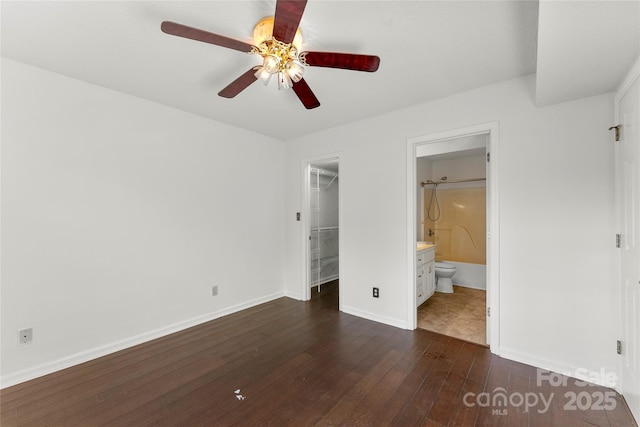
<point>422,184</point>
<point>324,171</point>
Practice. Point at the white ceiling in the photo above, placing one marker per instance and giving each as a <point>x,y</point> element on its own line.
<point>585,48</point>
<point>428,50</point>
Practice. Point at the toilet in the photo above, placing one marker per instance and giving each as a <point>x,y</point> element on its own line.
<point>444,273</point>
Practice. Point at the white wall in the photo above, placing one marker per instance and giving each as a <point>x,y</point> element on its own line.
<point>118,216</point>
<point>460,168</point>
<point>556,216</point>
<point>329,202</point>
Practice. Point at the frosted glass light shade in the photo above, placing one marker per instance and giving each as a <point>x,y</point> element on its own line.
<point>295,71</point>
<point>263,75</point>
<point>271,64</point>
<point>284,81</point>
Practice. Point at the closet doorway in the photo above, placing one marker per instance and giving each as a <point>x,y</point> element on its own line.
<point>323,229</point>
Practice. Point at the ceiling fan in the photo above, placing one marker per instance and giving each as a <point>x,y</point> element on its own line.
<point>278,41</point>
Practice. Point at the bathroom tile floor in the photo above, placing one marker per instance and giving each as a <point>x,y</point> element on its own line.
<point>460,314</point>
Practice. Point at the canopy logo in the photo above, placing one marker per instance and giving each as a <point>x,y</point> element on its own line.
<point>599,400</point>
<point>499,400</point>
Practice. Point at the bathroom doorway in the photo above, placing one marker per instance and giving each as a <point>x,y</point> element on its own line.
<point>451,209</point>
<point>322,179</point>
<point>444,163</point>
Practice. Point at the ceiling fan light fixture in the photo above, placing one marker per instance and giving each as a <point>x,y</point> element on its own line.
<point>277,57</point>
<point>294,70</point>
<point>278,41</point>
<point>284,81</point>
<point>263,31</point>
<point>271,64</point>
<point>263,75</point>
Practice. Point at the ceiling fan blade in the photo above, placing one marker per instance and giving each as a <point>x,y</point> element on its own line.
<point>305,94</point>
<point>239,84</point>
<point>347,61</point>
<point>287,19</point>
<point>204,36</point>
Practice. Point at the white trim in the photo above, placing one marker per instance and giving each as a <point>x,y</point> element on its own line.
<point>94,353</point>
<point>293,295</point>
<point>556,366</point>
<point>305,293</point>
<point>420,145</point>
<point>493,238</point>
<point>391,321</point>
<point>617,329</point>
<point>412,318</point>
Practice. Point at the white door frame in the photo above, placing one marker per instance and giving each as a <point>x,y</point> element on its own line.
<point>420,146</point>
<point>632,76</point>
<point>306,224</point>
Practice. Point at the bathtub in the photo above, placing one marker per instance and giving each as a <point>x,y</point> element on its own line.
<point>470,275</point>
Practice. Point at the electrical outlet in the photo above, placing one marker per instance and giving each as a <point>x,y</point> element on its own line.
<point>25,336</point>
<point>214,290</point>
<point>376,293</point>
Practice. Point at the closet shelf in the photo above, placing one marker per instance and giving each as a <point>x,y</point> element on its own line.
<point>323,241</point>
<point>328,260</point>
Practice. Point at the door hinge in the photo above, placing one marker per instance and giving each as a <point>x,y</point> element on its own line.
<point>619,347</point>
<point>488,311</point>
<point>488,157</point>
<point>618,239</point>
<point>617,131</point>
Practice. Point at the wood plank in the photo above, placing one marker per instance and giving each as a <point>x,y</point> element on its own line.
<point>296,363</point>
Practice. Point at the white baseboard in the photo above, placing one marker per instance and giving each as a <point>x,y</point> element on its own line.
<point>599,378</point>
<point>94,353</point>
<point>398,323</point>
<point>294,295</point>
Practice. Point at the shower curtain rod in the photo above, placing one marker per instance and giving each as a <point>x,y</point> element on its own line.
<point>422,184</point>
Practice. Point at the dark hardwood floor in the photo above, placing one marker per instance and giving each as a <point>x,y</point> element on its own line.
<point>303,363</point>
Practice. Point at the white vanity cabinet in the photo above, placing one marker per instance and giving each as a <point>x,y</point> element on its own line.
<point>431,275</point>
<point>425,274</point>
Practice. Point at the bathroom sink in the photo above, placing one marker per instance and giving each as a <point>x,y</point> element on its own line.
<point>421,246</point>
